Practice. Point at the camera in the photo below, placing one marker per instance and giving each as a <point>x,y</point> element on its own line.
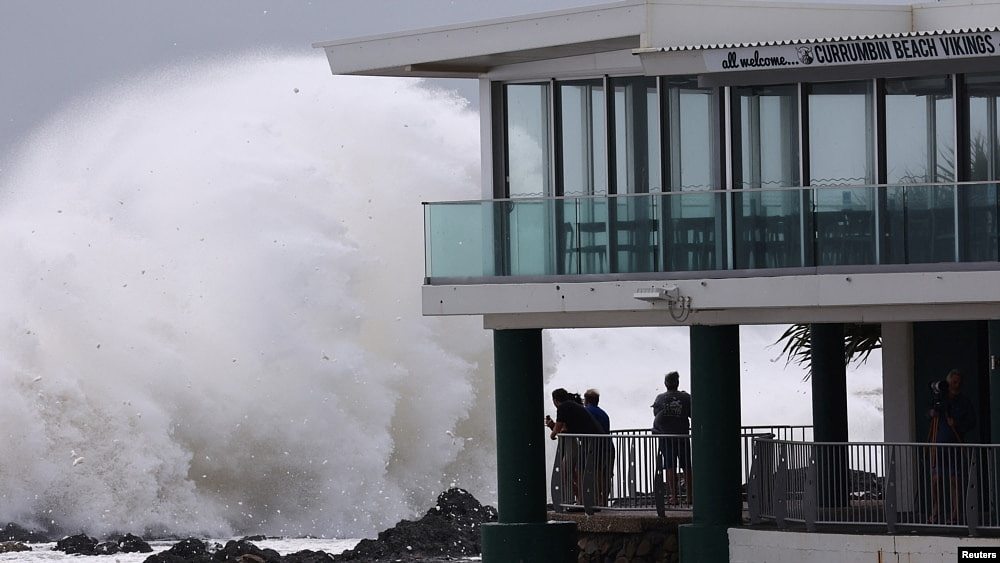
<point>939,389</point>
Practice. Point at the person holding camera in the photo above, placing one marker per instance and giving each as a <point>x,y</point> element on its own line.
<point>952,418</point>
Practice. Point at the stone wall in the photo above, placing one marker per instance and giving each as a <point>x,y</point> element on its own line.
<point>652,546</point>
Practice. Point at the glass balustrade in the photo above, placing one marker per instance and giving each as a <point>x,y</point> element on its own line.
<point>704,231</point>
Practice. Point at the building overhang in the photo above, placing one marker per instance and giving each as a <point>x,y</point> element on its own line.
<point>874,297</point>
<point>828,58</point>
<point>473,49</point>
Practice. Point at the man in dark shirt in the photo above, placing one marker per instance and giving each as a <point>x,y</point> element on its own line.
<point>605,447</point>
<point>952,418</point>
<point>572,418</point>
<point>671,415</point>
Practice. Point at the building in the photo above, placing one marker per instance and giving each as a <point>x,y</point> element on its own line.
<point>713,164</point>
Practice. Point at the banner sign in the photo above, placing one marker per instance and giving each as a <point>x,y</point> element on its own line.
<point>862,51</point>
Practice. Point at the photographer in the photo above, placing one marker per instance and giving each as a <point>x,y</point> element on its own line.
<point>952,418</point>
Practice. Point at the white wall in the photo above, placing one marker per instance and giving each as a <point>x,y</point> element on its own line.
<point>766,546</point>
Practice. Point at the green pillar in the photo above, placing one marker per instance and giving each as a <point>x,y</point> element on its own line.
<point>522,533</point>
<point>829,403</point>
<point>829,383</point>
<point>715,443</point>
<point>994,384</point>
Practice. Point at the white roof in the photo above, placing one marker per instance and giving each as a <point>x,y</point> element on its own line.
<point>671,27</point>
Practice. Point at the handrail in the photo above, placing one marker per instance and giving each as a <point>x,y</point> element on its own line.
<point>711,191</point>
<point>893,485</point>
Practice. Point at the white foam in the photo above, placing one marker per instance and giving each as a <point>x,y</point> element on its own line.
<point>217,278</point>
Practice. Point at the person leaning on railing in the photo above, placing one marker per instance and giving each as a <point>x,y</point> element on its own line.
<point>572,418</point>
<point>952,418</point>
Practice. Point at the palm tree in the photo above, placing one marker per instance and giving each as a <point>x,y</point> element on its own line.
<point>860,340</point>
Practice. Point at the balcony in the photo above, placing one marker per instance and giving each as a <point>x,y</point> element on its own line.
<point>721,233</point>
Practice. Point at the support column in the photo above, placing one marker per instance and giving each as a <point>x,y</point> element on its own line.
<point>899,413</point>
<point>522,533</point>
<point>829,403</point>
<point>715,444</point>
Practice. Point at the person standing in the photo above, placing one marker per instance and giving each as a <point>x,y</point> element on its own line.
<point>952,418</point>
<point>605,449</point>
<point>572,418</point>
<point>672,416</point>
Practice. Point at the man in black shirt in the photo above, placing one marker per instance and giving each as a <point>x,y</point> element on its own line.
<point>672,413</point>
<point>572,418</point>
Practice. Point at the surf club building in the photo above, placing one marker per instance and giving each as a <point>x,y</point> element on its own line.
<point>715,163</point>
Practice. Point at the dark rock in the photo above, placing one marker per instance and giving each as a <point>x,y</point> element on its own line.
<point>133,544</point>
<point>449,529</point>
<point>14,532</point>
<point>106,548</point>
<point>80,544</point>
<point>236,550</point>
<point>259,537</point>
<point>12,546</point>
<point>190,550</point>
<point>308,556</point>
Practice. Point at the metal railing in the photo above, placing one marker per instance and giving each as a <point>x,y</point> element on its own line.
<point>712,230</point>
<point>875,485</point>
<point>627,470</point>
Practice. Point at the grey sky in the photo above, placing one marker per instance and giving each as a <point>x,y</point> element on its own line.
<point>52,51</point>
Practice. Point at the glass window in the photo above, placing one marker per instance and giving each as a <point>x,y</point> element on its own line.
<point>978,202</point>
<point>692,138</point>
<point>637,135</point>
<point>528,159</point>
<point>920,130</point>
<point>920,151</point>
<point>841,154</point>
<point>584,139</point>
<point>768,220</point>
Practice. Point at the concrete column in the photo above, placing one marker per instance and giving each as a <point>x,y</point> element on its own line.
<point>898,414</point>
<point>829,402</point>
<point>715,437</point>
<point>522,533</point>
<point>994,385</point>
<point>829,383</point>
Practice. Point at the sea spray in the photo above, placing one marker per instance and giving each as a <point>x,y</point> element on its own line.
<point>211,309</point>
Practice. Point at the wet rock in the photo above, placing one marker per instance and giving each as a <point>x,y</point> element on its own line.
<point>14,532</point>
<point>80,544</point>
<point>449,529</point>
<point>106,548</point>
<point>241,550</point>
<point>190,550</point>
<point>308,556</point>
<point>258,537</point>
<point>12,546</point>
<point>133,544</point>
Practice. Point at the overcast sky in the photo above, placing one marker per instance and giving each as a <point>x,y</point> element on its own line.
<point>52,51</point>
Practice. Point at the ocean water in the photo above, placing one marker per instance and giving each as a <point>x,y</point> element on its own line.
<point>211,317</point>
<point>43,552</point>
<point>211,313</point>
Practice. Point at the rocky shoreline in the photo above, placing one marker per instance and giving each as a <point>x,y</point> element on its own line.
<point>449,530</point>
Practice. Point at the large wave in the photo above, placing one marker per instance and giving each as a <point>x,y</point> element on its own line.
<point>210,319</point>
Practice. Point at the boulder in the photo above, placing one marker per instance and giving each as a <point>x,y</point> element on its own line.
<point>133,544</point>
<point>308,556</point>
<point>80,544</point>
<point>12,546</point>
<point>14,532</point>
<point>241,550</point>
<point>106,548</point>
<point>190,550</point>
<point>449,529</point>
